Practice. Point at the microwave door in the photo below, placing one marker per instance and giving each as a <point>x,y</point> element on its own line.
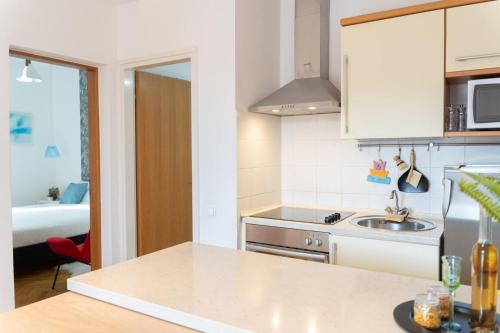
<point>483,104</point>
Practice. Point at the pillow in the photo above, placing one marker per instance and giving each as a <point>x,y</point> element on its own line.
<point>74,193</point>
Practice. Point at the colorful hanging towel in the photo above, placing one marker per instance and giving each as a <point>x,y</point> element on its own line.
<point>378,180</point>
<point>379,173</point>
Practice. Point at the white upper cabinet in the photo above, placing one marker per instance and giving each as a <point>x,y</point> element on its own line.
<point>473,37</point>
<point>393,77</point>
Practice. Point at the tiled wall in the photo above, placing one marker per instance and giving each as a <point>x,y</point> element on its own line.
<point>320,170</point>
<point>259,161</point>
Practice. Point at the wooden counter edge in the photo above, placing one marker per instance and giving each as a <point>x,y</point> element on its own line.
<point>426,7</point>
<point>71,312</point>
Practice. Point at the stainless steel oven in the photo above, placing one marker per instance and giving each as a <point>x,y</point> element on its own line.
<point>286,242</point>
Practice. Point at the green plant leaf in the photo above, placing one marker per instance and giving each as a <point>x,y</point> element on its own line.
<point>491,183</point>
<point>486,201</point>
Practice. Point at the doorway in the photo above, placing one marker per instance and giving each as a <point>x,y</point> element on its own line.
<point>163,156</point>
<point>54,125</point>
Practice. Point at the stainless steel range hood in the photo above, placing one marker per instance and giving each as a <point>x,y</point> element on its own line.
<point>311,92</point>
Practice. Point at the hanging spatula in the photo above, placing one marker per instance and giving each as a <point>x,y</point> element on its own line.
<point>413,181</point>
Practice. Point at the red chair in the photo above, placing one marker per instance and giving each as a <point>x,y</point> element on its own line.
<point>67,248</point>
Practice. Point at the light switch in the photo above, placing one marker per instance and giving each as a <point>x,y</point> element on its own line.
<point>212,211</point>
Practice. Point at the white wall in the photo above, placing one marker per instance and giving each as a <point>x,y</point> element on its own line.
<point>257,74</point>
<point>152,28</point>
<point>80,30</point>
<point>31,173</point>
<point>6,265</point>
<point>55,108</point>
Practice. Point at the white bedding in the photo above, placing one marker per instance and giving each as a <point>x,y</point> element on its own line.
<point>34,224</point>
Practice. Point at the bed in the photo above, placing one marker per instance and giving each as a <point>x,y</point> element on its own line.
<point>32,225</point>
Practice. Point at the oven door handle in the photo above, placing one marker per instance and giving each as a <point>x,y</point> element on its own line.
<point>298,254</point>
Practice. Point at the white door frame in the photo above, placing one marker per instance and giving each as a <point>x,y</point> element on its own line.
<point>127,173</point>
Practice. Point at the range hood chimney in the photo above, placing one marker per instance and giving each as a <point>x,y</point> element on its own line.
<point>311,92</point>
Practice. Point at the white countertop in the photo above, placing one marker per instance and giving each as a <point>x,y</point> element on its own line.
<point>215,289</point>
<point>346,228</point>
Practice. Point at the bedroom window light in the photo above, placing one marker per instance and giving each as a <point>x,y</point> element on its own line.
<point>29,73</point>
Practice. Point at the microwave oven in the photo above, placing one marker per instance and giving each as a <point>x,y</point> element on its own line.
<point>483,103</point>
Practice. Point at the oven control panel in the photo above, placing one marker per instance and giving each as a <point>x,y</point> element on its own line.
<point>316,240</point>
<point>293,238</point>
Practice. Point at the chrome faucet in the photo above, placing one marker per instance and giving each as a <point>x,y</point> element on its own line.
<point>396,210</point>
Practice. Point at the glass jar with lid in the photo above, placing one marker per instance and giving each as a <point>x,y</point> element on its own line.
<point>426,311</point>
<point>443,295</point>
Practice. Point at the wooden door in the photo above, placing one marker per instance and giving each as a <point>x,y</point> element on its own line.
<point>392,77</point>
<point>473,37</point>
<point>163,162</point>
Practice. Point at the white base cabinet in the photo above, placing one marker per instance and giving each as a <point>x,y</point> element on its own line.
<point>408,259</point>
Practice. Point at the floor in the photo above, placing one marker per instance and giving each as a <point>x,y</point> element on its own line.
<point>37,285</point>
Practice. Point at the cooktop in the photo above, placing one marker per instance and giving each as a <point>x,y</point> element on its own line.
<point>304,215</point>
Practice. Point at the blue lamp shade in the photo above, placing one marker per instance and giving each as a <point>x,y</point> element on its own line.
<point>52,152</point>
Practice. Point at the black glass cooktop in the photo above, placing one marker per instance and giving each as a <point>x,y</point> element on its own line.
<point>305,215</point>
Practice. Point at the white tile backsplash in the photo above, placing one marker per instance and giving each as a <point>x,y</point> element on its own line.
<point>328,152</point>
<point>339,169</point>
<point>330,179</point>
<point>326,200</point>
<point>436,182</point>
<point>299,178</point>
<point>259,161</point>
<point>482,154</point>
<point>302,161</point>
<point>354,180</point>
<point>448,155</point>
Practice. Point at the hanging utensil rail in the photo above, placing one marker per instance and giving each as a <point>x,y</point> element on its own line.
<point>428,145</point>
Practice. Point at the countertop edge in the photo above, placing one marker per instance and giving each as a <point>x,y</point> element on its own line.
<point>154,310</point>
<point>345,228</point>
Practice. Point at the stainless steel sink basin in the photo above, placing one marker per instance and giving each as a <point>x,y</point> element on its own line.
<point>379,222</point>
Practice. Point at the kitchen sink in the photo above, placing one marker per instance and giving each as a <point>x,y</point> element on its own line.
<point>379,222</point>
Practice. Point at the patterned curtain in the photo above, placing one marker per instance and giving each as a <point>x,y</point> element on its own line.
<point>84,125</point>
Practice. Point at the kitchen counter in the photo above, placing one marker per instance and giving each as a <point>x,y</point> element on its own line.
<point>346,228</point>
<point>75,313</point>
<point>216,289</point>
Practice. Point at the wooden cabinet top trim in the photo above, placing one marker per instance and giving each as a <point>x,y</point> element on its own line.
<point>426,7</point>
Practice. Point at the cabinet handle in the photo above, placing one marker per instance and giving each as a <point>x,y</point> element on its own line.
<point>447,187</point>
<point>333,254</point>
<point>479,56</point>
<point>345,95</point>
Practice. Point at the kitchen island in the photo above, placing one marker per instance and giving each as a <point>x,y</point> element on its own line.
<point>214,289</point>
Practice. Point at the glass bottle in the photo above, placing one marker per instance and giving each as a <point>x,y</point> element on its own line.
<point>484,260</point>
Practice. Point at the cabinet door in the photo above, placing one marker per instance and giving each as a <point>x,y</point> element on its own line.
<point>392,77</point>
<point>473,37</point>
<point>409,259</point>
